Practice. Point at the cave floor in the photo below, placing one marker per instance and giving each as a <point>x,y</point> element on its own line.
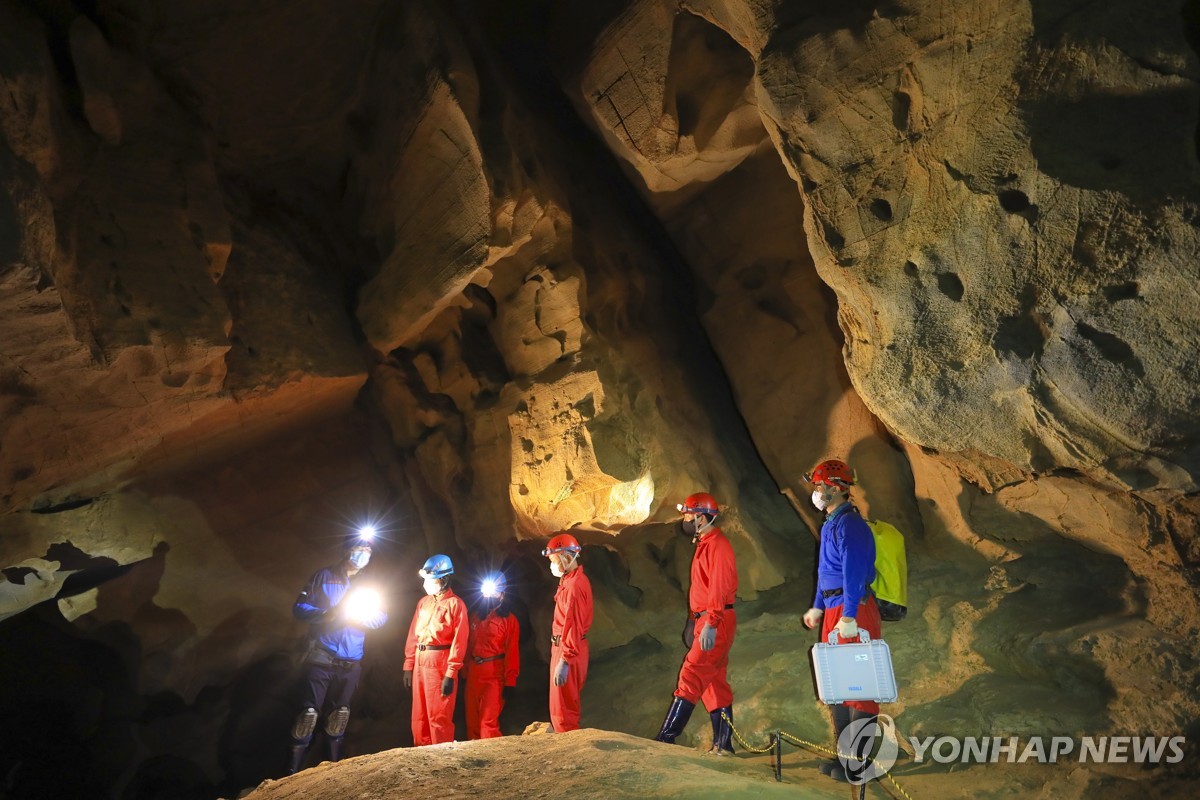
<point>617,765</point>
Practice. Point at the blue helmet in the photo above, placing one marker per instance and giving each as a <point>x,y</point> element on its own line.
<point>437,566</point>
<point>493,585</point>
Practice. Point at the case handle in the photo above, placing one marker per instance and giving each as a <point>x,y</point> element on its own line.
<point>864,637</point>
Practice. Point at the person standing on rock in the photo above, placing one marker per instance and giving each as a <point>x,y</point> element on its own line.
<point>493,659</point>
<point>434,653</point>
<point>568,640</point>
<point>845,570</point>
<point>709,630</point>
<point>339,613</point>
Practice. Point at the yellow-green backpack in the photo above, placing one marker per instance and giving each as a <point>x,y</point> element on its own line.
<point>891,571</point>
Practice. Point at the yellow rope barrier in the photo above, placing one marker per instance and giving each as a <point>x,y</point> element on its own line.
<point>798,742</point>
<point>745,745</point>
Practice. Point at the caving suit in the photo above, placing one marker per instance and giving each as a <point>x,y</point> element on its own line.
<point>710,600</point>
<point>568,641</point>
<point>333,662</point>
<point>493,662</point>
<point>435,649</point>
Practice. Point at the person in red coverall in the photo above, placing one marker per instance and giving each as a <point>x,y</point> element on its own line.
<point>568,640</point>
<point>493,660</point>
<point>709,630</point>
<point>434,653</point>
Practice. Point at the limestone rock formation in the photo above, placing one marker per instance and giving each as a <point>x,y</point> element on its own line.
<point>992,256</point>
<point>109,352</point>
<point>672,93</point>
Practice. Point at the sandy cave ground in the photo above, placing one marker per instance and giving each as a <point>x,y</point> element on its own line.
<point>577,764</point>
<point>608,764</point>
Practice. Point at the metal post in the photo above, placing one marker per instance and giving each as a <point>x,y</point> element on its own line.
<point>777,755</point>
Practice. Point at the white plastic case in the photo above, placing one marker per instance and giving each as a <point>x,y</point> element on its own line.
<point>854,671</point>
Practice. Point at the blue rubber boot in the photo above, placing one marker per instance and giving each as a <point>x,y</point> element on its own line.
<point>722,731</point>
<point>841,718</point>
<point>676,720</point>
<point>860,751</point>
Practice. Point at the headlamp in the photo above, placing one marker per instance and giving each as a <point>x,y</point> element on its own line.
<point>366,533</point>
<point>492,586</point>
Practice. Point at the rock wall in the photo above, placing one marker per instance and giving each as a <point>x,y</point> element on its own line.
<point>122,336</point>
<point>965,320</point>
<point>971,177</point>
<point>163,653</point>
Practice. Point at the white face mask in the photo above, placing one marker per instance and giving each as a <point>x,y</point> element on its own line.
<point>818,500</point>
<point>432,586</point>
<point>560,565</point>
<point>359,558</point>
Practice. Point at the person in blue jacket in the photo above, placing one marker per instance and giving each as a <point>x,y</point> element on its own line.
<point>843,601</point>
<point>339,612</point>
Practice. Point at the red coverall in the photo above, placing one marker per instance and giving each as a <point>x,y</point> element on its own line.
<point>572,620</point>
<point>440,621</point>
<point>869,621</point>
<point>494,641</point>
<point>714,585</point>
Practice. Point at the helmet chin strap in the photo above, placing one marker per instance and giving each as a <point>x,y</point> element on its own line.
<point>703,529</point>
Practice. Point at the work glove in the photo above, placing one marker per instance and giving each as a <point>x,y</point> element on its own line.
<point>708,637</point>
<point>812,617</point>
<point>689,632</point>
<point>408,679</point>
<point>847,628</point>
<point>560,673</point>
<point>447,686</point>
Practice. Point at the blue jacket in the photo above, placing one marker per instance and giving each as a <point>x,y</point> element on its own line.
<point>317,605</point>
<point>847,560</point>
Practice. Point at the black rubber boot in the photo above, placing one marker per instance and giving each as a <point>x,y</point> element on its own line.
<point>298,751</point>
<point>676,720</point>
<point>334,745</point>
<point>722,731</point>
<point>841,718</point>
<point>861,748</point>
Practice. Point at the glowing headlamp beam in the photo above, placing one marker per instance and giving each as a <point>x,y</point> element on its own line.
<point>363,604</point>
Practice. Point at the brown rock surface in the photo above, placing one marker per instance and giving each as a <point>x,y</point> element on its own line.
<point>556,765</point>
<point>993,260</point>
<point>116,335</point>
<point>672,94</point>
<point>622,766</point>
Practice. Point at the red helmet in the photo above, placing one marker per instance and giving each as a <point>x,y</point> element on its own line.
<point>561,542</point>
<point>833,473</point>
<point>699,503</point>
